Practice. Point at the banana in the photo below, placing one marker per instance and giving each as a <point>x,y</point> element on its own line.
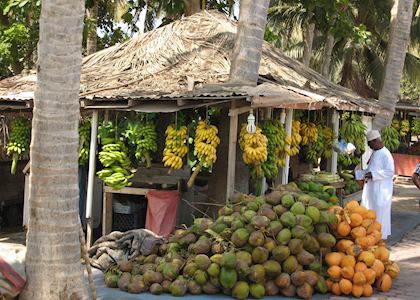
<point>205,143</point>
<point>175,147</point>
<point>390,138</point>
<point>19,140</point>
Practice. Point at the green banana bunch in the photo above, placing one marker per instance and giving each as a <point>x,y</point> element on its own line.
<point>276,135</point>
<point>390,138</point>
<point>114,157</point>
<point>84,141</point>
<point>352,131</point>
<point>19,141</point>
<point>415,126</point>
<point>396,124</point>
<point>405,127</point>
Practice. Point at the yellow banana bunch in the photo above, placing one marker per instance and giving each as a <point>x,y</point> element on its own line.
<point>254,146</point>
<point>309,133</point>
<point>175,147</point>
<point>205,143</point>
<point>294,140</point>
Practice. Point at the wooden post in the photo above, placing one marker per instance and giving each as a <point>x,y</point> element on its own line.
<point>231,163</point>
<point>336,125</point>
<point>285,173</point>
<point>91,176</point>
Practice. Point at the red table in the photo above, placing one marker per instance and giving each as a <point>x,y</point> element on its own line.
<point>405,164</point>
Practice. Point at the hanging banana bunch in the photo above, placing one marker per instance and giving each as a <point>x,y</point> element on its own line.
<point>254,148</point>
<point>396,124</point>
<point>114,157</point>
<point>415,126</point>
<point>309,133</point>
<point>328,141</point>
<point>276,134</point>
<point>294,140</point>
<point>316,148</point>
<point>405,127</point>
<point>146,142</point>
<point>175,147</point>
<point>84,141</point>
<point>390,138</point>
<point>352,131</point>
<point>116,172</point>
<point>19,141</point>
<point>205,144</point>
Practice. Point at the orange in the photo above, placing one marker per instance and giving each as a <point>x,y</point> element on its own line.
<point>370,214</point>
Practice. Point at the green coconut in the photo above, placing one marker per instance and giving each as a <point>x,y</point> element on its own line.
<point>280,253</point>
<point>240,290</point>
<point>228,277</point>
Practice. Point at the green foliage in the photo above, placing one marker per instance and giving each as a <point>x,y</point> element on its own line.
<point>18,35</point>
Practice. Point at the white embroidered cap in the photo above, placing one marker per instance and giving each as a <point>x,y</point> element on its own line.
<point>373,135</point>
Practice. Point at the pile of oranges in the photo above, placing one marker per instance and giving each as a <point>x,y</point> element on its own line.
<point>360,260</point>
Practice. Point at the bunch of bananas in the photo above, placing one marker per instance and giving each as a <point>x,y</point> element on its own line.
<point>84,141</point>
<point>205,144</point>
<point>328,141</point>
<point>294,140</point>
<point>405,127</point>
<point>309,133</point>
<point>352,131</point>
<point>116,172</point>
<point>276,135</point>
<point>396,124</point>
<point>254,148</point>
<point>390,138</point>
<point>19,141</point>
<point>175,147</point>
<point>146,142</point>
<point>316,148</point>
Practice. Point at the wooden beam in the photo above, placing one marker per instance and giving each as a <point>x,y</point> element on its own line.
<point>126,190</point>
<point>336,125</point>
<point>106,213</point>
<point>285,171</point>
<point>231,163</point>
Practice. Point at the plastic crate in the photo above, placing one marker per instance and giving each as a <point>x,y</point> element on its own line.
<point>129,213</point>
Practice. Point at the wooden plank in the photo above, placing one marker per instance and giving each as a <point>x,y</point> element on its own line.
<point>107,213</point>
<point>231,163</point>
<point>126,190</point>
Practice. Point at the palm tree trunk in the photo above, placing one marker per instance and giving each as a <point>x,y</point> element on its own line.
<point>401,17</point>
<point>329,46</point>
<point>308,40</point>
<point>247,50</point>
<point>92,22</point>
<point>53,265</point>
<point>192,7</point>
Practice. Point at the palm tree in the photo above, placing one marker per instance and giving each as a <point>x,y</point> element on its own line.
<point>53,265</point>
<point>246,54</point>
<point>401,16</point>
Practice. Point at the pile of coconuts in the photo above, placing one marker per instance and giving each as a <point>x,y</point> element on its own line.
<point>258,246</point>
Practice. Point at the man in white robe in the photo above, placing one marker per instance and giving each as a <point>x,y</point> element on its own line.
<point>378,188</point>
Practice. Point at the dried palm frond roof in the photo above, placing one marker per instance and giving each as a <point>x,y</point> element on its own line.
<point>185,58</point>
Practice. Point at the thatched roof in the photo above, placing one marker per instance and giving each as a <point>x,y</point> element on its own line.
<point>186,60</point>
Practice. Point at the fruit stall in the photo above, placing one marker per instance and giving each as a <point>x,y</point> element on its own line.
<point>167,126</point>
